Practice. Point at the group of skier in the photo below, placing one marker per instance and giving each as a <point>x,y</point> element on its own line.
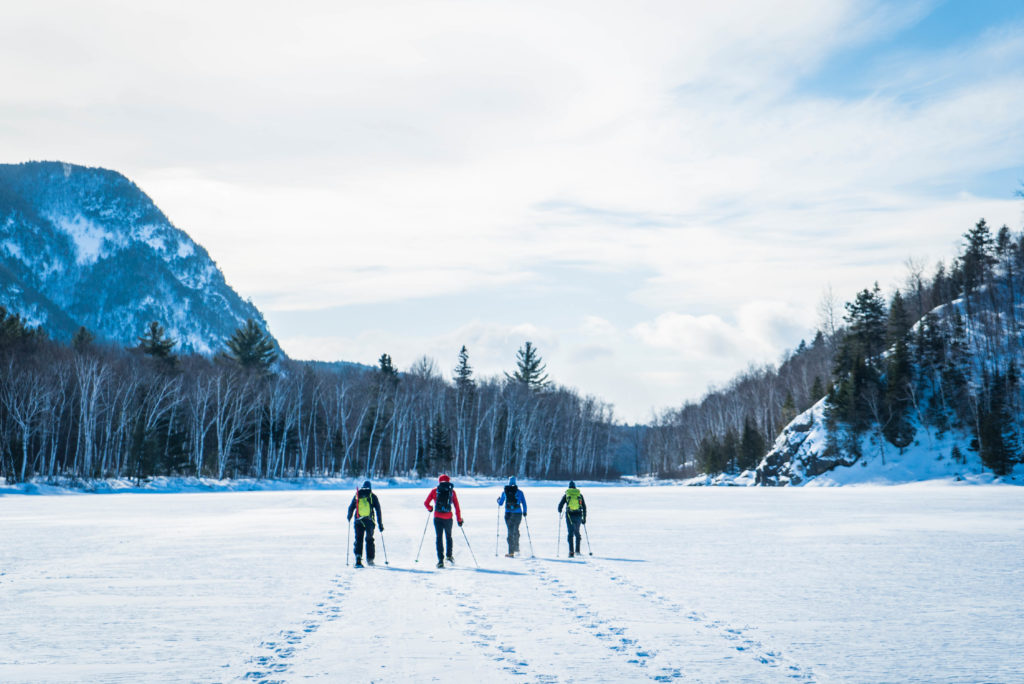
<point>443,502</point>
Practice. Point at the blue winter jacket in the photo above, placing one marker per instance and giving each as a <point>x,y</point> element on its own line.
<point>520,503</point>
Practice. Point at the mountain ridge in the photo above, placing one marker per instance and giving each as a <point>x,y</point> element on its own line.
<point>85,246</point>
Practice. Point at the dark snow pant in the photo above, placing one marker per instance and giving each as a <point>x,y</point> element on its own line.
<point>573,522</point>
<point>443,526</point>
<point>364,527</point>
<point>512,521</point>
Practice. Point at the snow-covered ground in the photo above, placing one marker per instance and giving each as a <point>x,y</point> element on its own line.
<point>911,583</point>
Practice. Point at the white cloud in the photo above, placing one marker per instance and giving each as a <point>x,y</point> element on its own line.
<point>340,154</point>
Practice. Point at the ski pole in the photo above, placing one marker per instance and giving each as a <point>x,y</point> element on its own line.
<point>385,547</point>
<point>348,535</point>
<point>588,539</point>
<point>497,526</point>
<point>532,554</point>
<point>558,543</point>
<point>468,545</point>
<point>422,537</point>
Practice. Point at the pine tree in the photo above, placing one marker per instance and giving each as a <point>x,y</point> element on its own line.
<point>817,389</point>
<point>82,339</point>
<point>752,447</point>
<point>252,348</point>
<point>710,456</point>
<point>731,451</point>
<point>386,367</point>
<point>439,447</point>
<point>155,343</point>
<point>463,377</point>
<point>997,436</point>
<point>899,428</point>
<point>867,321</point>
<point>977,258</point>
<point>14,332</point>
<point>788,410</point>
<point>530,369</point>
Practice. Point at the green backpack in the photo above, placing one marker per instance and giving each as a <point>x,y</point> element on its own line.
<point>573,500</point>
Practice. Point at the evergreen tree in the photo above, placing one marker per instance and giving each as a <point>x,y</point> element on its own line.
<point>788,410</point>
<point>463,377</point>
<point>155,343</point>
<point>711,456</point>
<point>252,348</point>
<point>977,259</point>
<point>899,323</point>
<point>997,435</point>
<point>817,389</point>
<point>752,446</point>
<point>899,428</point>
<point>530,369</point>
<point>82,339</point>
<point>386,367</point>
<point>731,451</point>
<point>867,323</point>
<point>439,447</point>
<point>14,332</point>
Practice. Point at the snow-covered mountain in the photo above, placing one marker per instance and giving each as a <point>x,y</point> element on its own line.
<point>945,444</point>
<point>84,246</point>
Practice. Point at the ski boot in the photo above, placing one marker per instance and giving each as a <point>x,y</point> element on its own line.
<point>369,561</point>
<point>440,563</point>
<point>359,562</point>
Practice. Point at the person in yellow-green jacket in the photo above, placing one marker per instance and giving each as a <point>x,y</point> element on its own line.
<point>366,509</point>
<point>575,515</point>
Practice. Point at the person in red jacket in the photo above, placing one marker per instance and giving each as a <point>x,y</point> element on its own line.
<point>443,499</point>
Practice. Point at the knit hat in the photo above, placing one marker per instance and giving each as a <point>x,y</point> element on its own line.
<point>512,480</point>
<point>443,478</point>
<point>366,484</point>
<point>572,484</point>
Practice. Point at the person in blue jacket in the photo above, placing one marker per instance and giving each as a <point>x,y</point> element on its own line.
<point>515,510</point>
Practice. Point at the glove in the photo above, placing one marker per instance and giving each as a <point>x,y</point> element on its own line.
<point>460,523</point>
<point>350,518</point>
<point>584,520</point>
<point>524,514</point>
<point>430,508</point>
<point>380,527</point>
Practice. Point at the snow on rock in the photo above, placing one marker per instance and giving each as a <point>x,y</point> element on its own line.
<point>800,456</point>
<point>799,452</point>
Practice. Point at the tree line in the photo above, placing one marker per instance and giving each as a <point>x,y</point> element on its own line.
<point>89,410</point>
<point>940,353</point>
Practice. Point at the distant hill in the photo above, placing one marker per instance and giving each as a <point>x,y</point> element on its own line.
<point>84,246</point>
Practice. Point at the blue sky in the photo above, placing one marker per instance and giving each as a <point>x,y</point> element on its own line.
<point>657,194</point>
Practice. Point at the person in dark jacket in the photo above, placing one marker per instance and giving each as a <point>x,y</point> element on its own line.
<point>575,515</point>
<point>441,501</point>
<point>366,508</point>
<point>515,510</point>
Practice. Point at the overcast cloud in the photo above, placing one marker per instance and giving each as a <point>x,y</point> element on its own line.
<point>655,193</point>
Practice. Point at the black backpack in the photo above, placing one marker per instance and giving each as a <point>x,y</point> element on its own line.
<point>444,497</point>
<point>510,497</point>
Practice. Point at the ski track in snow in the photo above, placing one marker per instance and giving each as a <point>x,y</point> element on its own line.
<point>736,636</point>
<point>480,630</point>
<point>276,654</point>
<point>614,637</point>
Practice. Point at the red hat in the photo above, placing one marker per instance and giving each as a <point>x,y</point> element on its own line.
<point>443,478</point>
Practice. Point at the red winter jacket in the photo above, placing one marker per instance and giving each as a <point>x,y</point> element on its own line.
<point>438,514</point>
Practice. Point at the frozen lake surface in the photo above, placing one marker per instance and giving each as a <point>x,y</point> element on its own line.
<point>911,583</point>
